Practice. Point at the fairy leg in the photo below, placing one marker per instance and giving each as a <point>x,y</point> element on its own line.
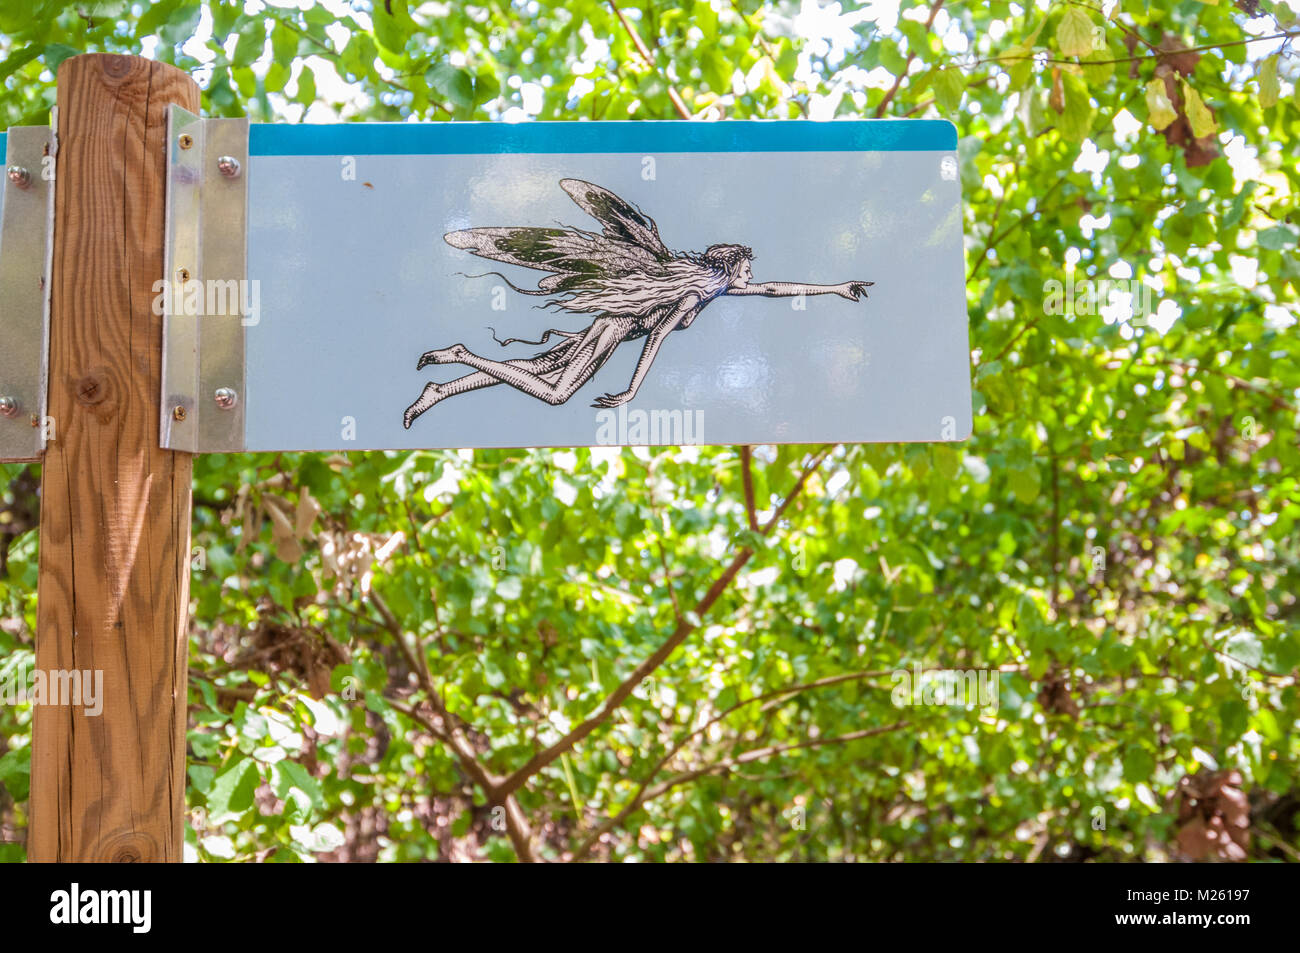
<point>582,360</point>
<point>543,365</point>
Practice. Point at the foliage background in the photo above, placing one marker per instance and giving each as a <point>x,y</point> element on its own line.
<point>690,653</point>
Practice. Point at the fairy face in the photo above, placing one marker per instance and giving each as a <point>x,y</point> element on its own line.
<point>742,275</point>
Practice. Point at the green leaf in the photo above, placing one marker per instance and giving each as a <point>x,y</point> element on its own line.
<point>201,777</point>
<point>232,790</point>
<point>284,45</point>
<point>306,95</point>
<point>225,13</point>
<point>1098,69</point>
<point>1246,648</point>
<point>452,84</point>
<point>1076,122</point>
<point>56,53</point>
<point>492,674</point>
<point>251,43</point>
<point>15,61</point>
<point>293,777</point>
<point>1238,208</point>
<point>948,88</point>
<point>1198,114</point>
<point>1025,483</point>
<point>276,76</point>
<point>15,772</point>
<point>155,16</point>
<point>391,29</point>
<point>1269,88</point>
<point>1276,238</point>
<point>1074,33</point>
<point>358,56</point>
<point>947,460</point>
<point>1139,765</point>
<point>1019,65</point>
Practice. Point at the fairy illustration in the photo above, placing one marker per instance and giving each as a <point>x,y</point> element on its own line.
<point>625,276</point>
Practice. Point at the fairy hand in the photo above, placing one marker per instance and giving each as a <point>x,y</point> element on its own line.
<point>614,400</point>
<point>854,290</point>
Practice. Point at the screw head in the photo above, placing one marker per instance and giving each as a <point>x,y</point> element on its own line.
<point>178,412</point>
<point>183,274</point>
<point>228,166</point>
<point>185,140</point>
<point>8,406</point>
<point>226,398</point>
<point>19,176</point>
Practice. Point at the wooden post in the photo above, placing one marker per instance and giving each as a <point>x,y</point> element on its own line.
<point>115,509</point>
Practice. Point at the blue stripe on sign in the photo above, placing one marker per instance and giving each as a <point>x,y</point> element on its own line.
<point>649,136</point>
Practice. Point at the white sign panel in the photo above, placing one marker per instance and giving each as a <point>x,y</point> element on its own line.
<point>576,284</point>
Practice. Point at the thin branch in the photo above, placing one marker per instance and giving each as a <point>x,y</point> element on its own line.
<point>659,543</point>
<point>620,694</point>
<point>995,239</point>
<point>668,580</point>
<point>729,764</point>
<point>1102,13</point>
<point>650,62</point>
<point>1158,54</point>
<point>685,626</point>
<point>911,55</point>
<point>747,477</point>
<point>638,796</point>
<point>798,487</point>
<point>447,727</point>
<point>517,827</point>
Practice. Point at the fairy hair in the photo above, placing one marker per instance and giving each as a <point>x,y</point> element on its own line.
<point>727,257</point>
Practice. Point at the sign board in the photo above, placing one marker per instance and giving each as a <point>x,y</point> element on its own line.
<point>564,284</point>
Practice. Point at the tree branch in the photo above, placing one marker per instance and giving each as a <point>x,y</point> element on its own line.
<point>641,48</point>
<point>1158,54</point>
<point>679,635</point>
<point>637,797</point>
<point>911,55</point>
<point>448,728</point>
<point>727,764</point>
<point>747,476</point>
<point>517,827</point>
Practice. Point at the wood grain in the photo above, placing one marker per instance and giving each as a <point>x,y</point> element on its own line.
<point>115,509</point>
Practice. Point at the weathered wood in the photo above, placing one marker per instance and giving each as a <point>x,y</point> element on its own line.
<point>115,509</point>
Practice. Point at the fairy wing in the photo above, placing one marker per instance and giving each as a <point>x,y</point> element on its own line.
<point>629,242</point>
<point>621,220</point>
<point>572,255</point>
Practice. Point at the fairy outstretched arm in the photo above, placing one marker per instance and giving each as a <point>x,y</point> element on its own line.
<point>853,290</point>
<point>654,340</point>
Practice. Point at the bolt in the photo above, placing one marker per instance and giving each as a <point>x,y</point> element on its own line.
<point>36,420</point>
<point>186,140</point>
<point>184,275</point>
<point>9,406</point>
<point>226,398</point>
<point>228,166</point>
<point>179,412</point>
<point>19,176</point>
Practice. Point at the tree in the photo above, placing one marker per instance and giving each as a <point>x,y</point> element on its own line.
<point>722,653</point>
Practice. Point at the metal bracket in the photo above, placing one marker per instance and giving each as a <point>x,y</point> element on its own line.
<point>205,292</point>
<point>26,225</point>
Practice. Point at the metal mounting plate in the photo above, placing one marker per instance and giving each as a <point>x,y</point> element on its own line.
<point>205,292</point>
<point>26,215</point>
